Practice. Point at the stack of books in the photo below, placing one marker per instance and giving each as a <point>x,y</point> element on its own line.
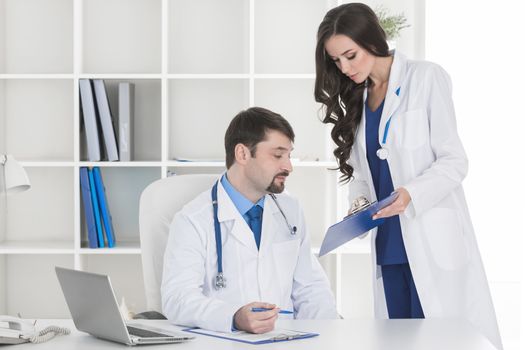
<point>99,122</point>
<point>96,209</point>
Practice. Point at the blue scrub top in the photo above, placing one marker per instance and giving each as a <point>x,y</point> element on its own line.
<point>390,248</point>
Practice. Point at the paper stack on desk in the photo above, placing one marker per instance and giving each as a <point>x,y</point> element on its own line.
<point>354,225</point>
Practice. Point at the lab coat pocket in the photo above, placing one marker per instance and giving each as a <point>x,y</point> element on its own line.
<point>285,256</point>
<point>445,238</point>
<point>412,129</point>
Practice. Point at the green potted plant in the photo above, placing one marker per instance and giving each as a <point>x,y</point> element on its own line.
<point>391,24</point>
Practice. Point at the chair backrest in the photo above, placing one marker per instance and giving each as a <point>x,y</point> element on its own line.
<point>158,204</point>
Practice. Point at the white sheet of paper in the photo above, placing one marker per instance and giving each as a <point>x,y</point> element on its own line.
<point>250,337</point>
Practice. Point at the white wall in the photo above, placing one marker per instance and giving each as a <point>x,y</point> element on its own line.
<point>2,151</point>
<point>2,196</point>
<point>2,286</point>
<point>480,44</point>
<point>2,37</point>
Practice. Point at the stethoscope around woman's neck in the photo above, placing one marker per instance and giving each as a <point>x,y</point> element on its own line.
<point>220,280</point>
<point>382,152</point>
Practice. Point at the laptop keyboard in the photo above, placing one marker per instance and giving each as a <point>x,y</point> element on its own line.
<point>143,333</point>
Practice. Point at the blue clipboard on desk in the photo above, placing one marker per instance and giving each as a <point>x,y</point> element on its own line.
<point>277,335</point>
<point>354,225</point>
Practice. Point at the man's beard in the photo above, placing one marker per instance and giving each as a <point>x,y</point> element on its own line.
<point>274,187</point>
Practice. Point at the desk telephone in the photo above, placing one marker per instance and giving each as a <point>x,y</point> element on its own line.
<point>14,330</point>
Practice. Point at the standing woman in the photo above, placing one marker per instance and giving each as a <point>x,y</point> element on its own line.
<point>395,129</point>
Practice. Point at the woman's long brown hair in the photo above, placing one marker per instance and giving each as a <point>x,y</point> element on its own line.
<point>342,98</point>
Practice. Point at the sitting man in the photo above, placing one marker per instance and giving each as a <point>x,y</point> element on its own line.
<point>242,246</point>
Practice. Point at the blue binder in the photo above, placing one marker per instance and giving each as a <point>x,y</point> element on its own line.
<point>96,211</point>
<point>354,225</point>
<point>85,190</point>
<point>106,218</point>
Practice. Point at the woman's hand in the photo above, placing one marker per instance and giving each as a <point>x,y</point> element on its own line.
<point>397,207</point>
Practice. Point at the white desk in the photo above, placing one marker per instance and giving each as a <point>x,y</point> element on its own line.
<point>334,334</point>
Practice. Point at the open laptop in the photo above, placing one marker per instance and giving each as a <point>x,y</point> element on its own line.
<point>95,310</point>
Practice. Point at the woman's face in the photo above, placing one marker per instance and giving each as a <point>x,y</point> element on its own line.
<point>351,59</point>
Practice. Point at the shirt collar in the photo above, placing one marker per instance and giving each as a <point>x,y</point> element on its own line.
<point>242,203</point>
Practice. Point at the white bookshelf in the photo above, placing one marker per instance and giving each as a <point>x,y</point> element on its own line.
<point>195,64</point>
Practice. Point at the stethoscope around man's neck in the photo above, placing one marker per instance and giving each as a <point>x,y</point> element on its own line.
<point>220,280</point>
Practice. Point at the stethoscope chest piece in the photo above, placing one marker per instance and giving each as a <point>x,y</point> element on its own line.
<point>220,281</point>
<point>382,153</point>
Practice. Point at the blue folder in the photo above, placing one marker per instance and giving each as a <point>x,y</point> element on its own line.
<point>88,208</point>
<point>270,339</point>
<point>96,211</point>
<point>106,218</point>
<point>354,225</point>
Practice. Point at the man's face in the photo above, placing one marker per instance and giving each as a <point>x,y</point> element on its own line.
<point>268,168</point>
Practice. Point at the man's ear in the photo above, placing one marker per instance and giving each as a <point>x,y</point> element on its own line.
<point>242,153</point>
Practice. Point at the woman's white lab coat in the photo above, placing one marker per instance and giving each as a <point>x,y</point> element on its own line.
<point>283,271</point>
<point>426,157</point>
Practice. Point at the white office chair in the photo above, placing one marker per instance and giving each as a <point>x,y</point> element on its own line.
<point>158,204</point>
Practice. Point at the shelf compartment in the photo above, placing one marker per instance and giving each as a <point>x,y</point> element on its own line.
<point>411,42</point>
<point>146,123</point>
<point>125,272</point>
<point>123,189</point>
<point>36,36</point>
<point>121,36</point>
<point>203,109</point>
<point>222,48</point>
<point>44,212</point>
<point>38,115</point>
<point>289,50</point>
<point>276,94</point>
<point>32,288</point>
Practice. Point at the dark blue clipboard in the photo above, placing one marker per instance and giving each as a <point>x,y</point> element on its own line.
<point>302,335</point>
<point>354,225</point>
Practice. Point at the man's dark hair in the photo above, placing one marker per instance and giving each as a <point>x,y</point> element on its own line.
<point>249,127</point>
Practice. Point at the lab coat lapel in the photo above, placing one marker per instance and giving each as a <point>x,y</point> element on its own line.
<point>392,99</point>
<point>269,229</point>
<point>361,137</point>
<point>230,217</point>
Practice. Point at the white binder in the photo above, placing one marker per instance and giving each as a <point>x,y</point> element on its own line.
<point>90,120</point>
<point>106,120</point>
<point>126,104</point>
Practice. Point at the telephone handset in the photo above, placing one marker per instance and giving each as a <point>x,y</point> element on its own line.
<point>14,330</point>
